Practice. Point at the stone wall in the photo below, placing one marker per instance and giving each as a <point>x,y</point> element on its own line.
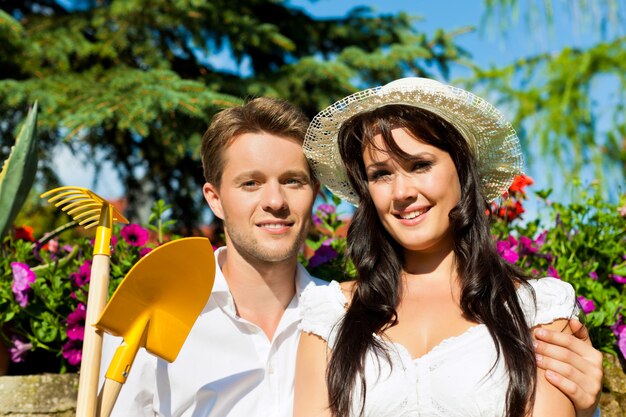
<point>52,395</point>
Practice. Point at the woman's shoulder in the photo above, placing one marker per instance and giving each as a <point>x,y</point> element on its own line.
<point>545,300</point>
<point>321,308</point>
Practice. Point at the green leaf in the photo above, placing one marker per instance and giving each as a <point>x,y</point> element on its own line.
<point>45,327</point>
<point>18,173</point>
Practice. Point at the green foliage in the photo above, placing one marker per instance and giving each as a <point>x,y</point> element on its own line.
<point>138,81</point>
<point>552,99</point>
<point>583,243</point>
<point>41,322</point>
<point>326,245</point>
<point>157,223</point>
<point>18,172</point>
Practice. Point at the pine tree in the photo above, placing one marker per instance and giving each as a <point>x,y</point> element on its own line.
<point>138,81</point>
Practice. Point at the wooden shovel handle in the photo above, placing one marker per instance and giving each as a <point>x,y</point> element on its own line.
<point>92,344</point>
<point>108,396</point>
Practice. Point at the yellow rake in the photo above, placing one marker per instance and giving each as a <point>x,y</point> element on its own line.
<point>88,209</point>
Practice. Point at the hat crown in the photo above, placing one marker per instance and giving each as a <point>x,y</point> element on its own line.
<point>490,136</point>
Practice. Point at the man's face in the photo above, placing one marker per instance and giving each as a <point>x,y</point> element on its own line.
<point>265,197</point>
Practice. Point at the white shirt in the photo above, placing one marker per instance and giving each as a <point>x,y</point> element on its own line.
<point>457,378</point>
<point>227,366</point>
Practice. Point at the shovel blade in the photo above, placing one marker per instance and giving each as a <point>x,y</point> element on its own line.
<point>165,290</point>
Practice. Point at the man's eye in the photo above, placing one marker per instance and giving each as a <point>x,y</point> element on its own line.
<point>249,184</point>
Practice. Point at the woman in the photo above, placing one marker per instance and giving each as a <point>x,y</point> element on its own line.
<point>436,324</point>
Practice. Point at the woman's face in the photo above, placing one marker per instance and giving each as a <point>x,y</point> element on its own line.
<point>413,197</point>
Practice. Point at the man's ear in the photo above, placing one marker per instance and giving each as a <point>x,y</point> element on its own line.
<point>212,196</point>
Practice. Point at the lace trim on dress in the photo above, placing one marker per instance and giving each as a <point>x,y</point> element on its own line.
<point>555,300</point>
<point>322,307</point>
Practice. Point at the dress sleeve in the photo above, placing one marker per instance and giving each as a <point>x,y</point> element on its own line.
<point>553,299</point>
<point>322,308</point>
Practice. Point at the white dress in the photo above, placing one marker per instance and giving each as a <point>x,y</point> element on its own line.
<point>451,380</point>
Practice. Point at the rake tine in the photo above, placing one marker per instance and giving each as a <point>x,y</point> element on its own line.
<point>80,205</point>
<point>87,213</point>
<point>90,219</point>
<point>65,194</point>
<point>56,190</point>
<point>78,198</point>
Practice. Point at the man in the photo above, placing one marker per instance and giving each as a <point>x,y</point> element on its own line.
<point>239,358</point>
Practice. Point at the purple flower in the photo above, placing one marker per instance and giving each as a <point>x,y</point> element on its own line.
<point>76,323</point>
<point>134,234</point>
<point>19,349</point>
<point>541,239</point>
<point>72,351</point>
<point>324,254</point>
<point>22,278</point>
<point>144,251</point>
<point>505,249</point>
<point>618,278</point>
<point>326,208</point>
<point>81,277</point>
<point>552,272</point>
<point>586,304</point>
<point>593,275</point>
<point>527,246</point>
<point>317,220</point>
<point>619,329</point>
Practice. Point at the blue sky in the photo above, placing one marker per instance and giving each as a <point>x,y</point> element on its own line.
<point>487,44</point>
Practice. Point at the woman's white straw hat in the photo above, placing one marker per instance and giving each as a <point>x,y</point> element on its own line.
<point>490,136</point>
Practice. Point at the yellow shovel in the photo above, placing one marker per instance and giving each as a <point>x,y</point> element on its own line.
<point>89,209</point>
<point>155,306</point>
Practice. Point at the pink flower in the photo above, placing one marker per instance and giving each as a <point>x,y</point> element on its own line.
<point>527,246</point>
<point>541,239</point>
<point>76,323</point>
<point>621,338</point>
<point>586,304</point>
<point>134,234</point>
<point>622,210</point>
<point>19,349</point>
<point>619,279</point>
<point>72,351</point>
<point>505,249</point>
<point>22,278</point>
<point>144,251</point>
<point>81,277</point>
<point>593,275</point>
<point>552,272</point>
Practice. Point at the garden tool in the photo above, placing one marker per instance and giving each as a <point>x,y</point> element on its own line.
<point>155,306</point>
<point>89,209</point>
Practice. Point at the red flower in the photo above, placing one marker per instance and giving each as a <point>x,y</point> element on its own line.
<point>25,233</point>
<point>519,183</point>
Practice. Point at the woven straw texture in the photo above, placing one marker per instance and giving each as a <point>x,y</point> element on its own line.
<point>490,136</point>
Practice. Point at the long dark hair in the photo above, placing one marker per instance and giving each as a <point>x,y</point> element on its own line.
<point>488,284</point>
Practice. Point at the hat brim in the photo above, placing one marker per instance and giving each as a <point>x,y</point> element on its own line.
<point>490,136</point>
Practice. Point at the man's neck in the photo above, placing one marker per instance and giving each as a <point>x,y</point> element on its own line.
<point>261,291</point>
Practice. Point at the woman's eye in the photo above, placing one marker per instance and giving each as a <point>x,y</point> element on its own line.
<point>380,176</point>
<point>422,166</point>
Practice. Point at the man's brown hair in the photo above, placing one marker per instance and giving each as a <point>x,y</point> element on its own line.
<point>263,114</point>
